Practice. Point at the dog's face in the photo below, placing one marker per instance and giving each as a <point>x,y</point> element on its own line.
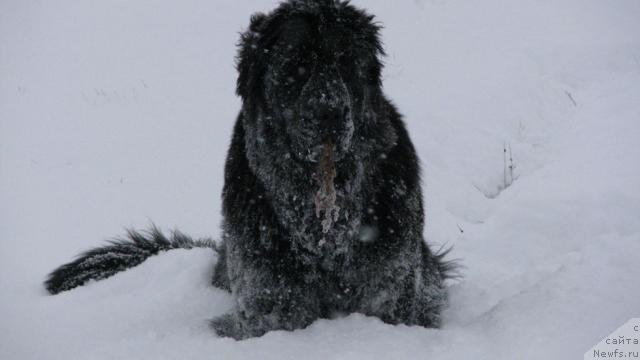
<point>310,70</point>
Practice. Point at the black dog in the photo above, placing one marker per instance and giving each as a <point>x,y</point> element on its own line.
<point>322,202</point>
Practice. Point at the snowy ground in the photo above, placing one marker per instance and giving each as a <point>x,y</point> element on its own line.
<point>117,113</point>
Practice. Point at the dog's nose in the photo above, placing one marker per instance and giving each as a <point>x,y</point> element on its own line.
<point>331,119</point>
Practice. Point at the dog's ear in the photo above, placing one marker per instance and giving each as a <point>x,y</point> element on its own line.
<point>248,54</point>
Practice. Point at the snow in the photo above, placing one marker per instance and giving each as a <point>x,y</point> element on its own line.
<point>118,113</point>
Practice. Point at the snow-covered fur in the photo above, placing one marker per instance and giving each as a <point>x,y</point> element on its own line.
<point>322,202</point>
<point>121,254</point>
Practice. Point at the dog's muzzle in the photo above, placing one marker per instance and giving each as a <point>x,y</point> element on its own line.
<point>326,115</point>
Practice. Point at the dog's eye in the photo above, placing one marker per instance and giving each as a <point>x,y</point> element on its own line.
<point>296,71</point>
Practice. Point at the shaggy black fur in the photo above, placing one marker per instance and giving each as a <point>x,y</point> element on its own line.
<point>322,202</point>
<point>103,262</point>
<point>295,251</point>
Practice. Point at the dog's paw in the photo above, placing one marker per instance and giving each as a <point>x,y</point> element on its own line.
<point>227,326</point>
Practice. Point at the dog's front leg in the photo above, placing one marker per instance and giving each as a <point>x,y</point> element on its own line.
<point>267,298</point>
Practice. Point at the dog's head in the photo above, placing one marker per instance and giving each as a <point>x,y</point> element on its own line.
<point>310,71</point>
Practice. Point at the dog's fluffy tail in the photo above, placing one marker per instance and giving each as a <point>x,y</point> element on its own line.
<point>119,255</point>
<point>449,269</point>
